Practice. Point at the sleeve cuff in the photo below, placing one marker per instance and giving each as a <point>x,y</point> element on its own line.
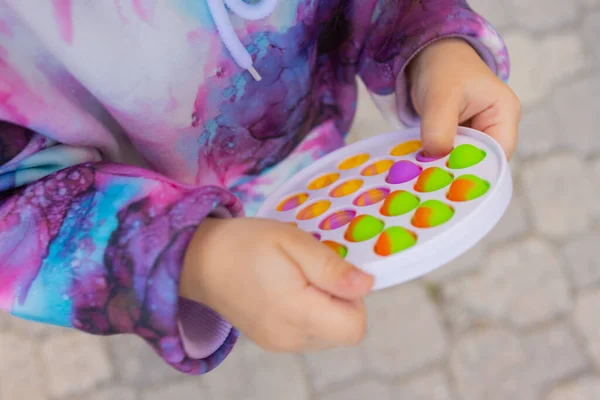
<point>188,335</point>
<point>383,67</point>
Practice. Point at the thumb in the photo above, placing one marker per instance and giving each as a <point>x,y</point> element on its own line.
<point>325,269</point>
<point>439,122</point>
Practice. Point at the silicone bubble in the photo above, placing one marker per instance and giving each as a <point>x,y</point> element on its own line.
<point>292,202</point>
<point>398,203</point>
<point>432,213</point>
<point>371,196</point>
<point>421,157</point>
<point>467,187</point>
<point>338,248</point>
<point>337,220</point>
<point>378,167</point>
<point>363,227</point>
<point>393,240</point>
<point>346,188</point>
<point>353,162</point>
<point>403,171</point>
<point>406,148</point>
<point>323,181</point>
<point>465,156</point>
<point>314,210</point>
<point>433,179</point>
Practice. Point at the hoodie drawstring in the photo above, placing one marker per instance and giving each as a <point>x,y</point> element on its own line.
<point>250,12</point>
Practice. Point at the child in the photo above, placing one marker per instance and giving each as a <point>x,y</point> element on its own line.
<point>135,132</point>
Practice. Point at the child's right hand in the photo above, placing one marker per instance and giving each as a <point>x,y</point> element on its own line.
<point>276,284</point>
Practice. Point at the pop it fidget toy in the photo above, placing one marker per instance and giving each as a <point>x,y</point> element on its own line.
<point>385,206</point>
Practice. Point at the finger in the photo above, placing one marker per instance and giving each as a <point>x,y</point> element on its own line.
<point>501,122</point>
<point>331,322</point>
<point>325,269</point>
<point>439,122</point>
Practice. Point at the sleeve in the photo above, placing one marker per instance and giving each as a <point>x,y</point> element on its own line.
<point>395,31</point>
<point>99,247</point>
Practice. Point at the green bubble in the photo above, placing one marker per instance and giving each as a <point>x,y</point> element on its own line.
<point>399,203</point>
<point>393,240</point>
<point>364,227</point>
<point>465,156</point>
<point>432,213</point>
<point>433,179</point>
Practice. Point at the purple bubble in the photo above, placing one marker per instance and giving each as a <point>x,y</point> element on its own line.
<point>421,157</point>
<point>403,171</point>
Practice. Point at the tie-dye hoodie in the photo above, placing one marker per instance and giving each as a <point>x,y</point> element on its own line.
<point>126,122</point>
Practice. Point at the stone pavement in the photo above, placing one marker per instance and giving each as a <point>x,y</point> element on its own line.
<point>515,318</point>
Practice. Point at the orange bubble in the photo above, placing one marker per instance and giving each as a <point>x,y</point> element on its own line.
<point>406,148</point>
<point>354,161</point>
<point>323,181</point>
<point>346,188</point>
<point>377,168</point>
<point>314,210</point>
<point>292,202</point>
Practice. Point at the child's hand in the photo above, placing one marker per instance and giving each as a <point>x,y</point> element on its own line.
<point>451,86</point>
<point>276,284</point>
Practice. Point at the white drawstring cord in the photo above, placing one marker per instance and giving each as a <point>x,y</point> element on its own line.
<point>251,12</point>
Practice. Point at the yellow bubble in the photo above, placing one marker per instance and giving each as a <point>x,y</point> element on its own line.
<point>354,161</point>
<point>346,188</point>
<point>323,181</point>
<point>292,202</point>
<point>406,148</point>
<point>377,168</point>
<point>314,210</point>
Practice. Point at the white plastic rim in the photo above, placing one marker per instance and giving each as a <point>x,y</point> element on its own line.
<point>435,247</point>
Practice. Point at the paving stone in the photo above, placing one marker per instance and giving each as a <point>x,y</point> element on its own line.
<point>586,388</point>
<point>360,391</point>
<point>514,222</point>
<point>334,366</point>
<point>586,320</point>
<point>553,354</point>
<point>595,167</point>
<point>137,363</point>
<point>405,331</point>
<point>578,122</point>
<point>590,3</point>
<point>21,373</point>
<point>34,330</point>
<point>591,31</point>
<point>553,186</point>
<point>494,12</point>
<point>115,393</point>
<point>491,365</point>
<point>582,259</point>
<point>537,65</point>
<point>542,15</point>
<point>189,389</point>
<point>219,382</point>
<point>538,133</point>
<point>75,363</point>
<point>433,386</point>
<point>5,320</point>
<point>467,262</point>
<point>262,376</point>
<point>522,283</point>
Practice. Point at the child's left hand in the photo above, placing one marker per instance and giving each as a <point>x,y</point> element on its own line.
<point>451,86</point>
